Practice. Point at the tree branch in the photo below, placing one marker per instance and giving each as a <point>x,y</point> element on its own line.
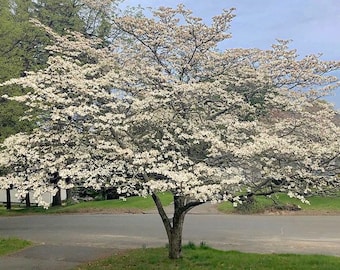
<point>164,217</point>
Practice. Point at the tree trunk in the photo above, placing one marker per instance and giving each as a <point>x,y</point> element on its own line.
<point>56,201</point>
<point>175,237</point>
<point>28,200</point>
<point>8,199</point>
<point>69,195</point>
<point>174,226</point>
<point>104,194</point>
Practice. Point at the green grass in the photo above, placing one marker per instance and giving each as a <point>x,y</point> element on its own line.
<point>132,204</point>
<point>317,204</point>
<point>9,245</point>
<point>205,258</point>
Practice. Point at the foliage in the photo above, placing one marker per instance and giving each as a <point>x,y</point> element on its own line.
<point>10,120</point>
<point>169,111</point>
<point>9,245</point>
<point>161,109</point>
<point>207,258</point>
<point>18,53</point>
<point>18,39</point>
<point>62,15</point>
<point>22,46</point>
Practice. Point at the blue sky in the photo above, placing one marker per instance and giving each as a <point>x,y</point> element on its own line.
<point>312,25</point>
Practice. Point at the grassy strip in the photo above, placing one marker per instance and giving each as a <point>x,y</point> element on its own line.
<point>208,258</point>
<point>317,204</point>
<point>9,245</point>
<point>132,204</point>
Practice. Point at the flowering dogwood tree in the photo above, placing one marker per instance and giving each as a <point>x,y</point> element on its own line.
<point>161,109</point>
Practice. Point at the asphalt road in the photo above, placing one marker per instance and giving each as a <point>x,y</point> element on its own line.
<point>74,239</point>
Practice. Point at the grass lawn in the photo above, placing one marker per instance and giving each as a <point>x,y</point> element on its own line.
<point>132,204</point>
<point>318,204</point>
<point>9,245</point>
<point>205,258</point>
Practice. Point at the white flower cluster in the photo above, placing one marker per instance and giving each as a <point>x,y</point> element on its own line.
<point>163,110</point>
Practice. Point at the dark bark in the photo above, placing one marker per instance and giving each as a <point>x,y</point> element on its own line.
<point>174,226</point>
<point>175,241</point>
<point>28,200</point>
<point>56,201</point>
<point>69,195</point>
<point>8,199</point>
<point>104,194</point>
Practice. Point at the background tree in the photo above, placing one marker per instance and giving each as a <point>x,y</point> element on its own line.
<point>161,109</point>
<point>22,46</point>
<point>61,16</point>
<point>16,56</point>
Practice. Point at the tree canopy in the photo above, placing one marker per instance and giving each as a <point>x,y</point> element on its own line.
<point>162,109</point>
